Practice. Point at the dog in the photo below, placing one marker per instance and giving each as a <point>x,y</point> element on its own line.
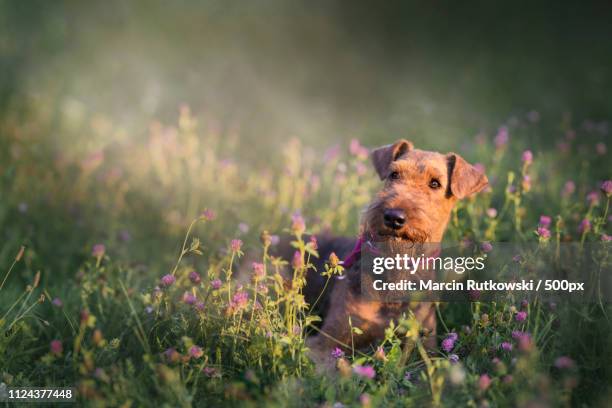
<point>420,189</point>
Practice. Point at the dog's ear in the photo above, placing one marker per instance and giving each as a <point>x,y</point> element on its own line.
<point>385,155</point>
<point>463,178</point>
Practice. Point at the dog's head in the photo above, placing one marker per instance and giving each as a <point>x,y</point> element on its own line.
<point>419,192</point>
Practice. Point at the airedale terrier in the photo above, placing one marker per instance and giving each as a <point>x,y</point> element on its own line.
<point>419,191</point>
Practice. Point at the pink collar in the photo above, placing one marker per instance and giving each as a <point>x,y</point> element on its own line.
<point>354,255</point>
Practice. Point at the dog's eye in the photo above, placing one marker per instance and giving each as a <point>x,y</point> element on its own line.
<point>394,175</point>
<point>435,184</point>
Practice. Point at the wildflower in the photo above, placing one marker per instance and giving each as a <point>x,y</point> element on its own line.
<point>208,215</point>
<point>297,261</point>
<point>361,169</point>
<point>502,137</point>
<point>593,198</point>
<point>380,354</point>
<point>168,280</point>
<point>526,184</point>
<point>545,221</point>
<point>189,298</point>
<point>601,148</point>
<point>125,236</point>
<point>298,226</point>
<point>195,278</point>
<point>239,300</point>
<point>521,316</point>
<point>453,358</point>
<point>606,188</point>
<point>56,347</point>
<point>517,258</point>
<point>486,246</point>
<point>543,233</point>
<point>365,400</point>
<point>98,251</point>
<point>199,306</point>
<point>332,153</point>
<point>243,227</point>
<point>506,346</point>
<point>568,188</point>
<point>274,240</point>
<point>448,344</point>
<point>366,371</point>
<point>527,157</point>
<point>474,294</point>
<point>524,304</point>
<point>171,355</point>
<point>195,352</point>
<point>211,372</point>
<point>491,212</point>
<point>585,226</point>
<point>337,353</point>
<point>606,238</point>
<point>454,336</point>
<point>334,261</point>
<point>148,310</point>
<point>57,302</point>
<point>484,382</point>
<point>511,189</point>
<point>533,116</point>
<point>258,271</point>
<point>313,243</point>
<point>216,284</point>
<point>358,150</point>
<point>564,362</point>
<point>236,244</point>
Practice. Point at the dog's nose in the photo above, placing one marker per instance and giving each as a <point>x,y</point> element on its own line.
<point>394,218</point>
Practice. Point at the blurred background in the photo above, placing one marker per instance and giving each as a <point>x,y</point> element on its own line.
<point>434,71</point>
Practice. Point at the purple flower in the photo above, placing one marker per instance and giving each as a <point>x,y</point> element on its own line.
<point>357,149</point>
<point>57,302</point>
<point>527,157</point>
<point>98,251</point>
<point>593,198</point>
<point>452,335</point>
<point>199,306</point>
<point>568,188</point>
<point>274,240</point>
<point>502,137</point>
<point>506,346</point>
<point>168,280</point>
<point>564,362</point>
<point>297,261</point>
<point>195,352</point>
<point>453,358</point>
<point>543,233</point>
<point>337,353</point>
<point>545,221</point>
<point>298,226</point>
<point>258,270</point>
<point>521,316</point>
<point>236,244</point>
<point>208,214</point>
<point>239,300</point>
<point>474,294</point>
<point>171,355</point>
<point>606,238</point>
<point>243,227</point>
<point>189,298</point>
<point>524,304</point>
<point>606,188</point>
<point>194,277</point>
<point>486,246</point>
<point>211,372</point>
<point>56,347</point>
<point>216,284</point>
<point>484,382</point>
<point>585,226</point>
<point>366,371</point>
<point>448,344</point>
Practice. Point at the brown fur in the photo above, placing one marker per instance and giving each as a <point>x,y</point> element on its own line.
<point>407,174</point>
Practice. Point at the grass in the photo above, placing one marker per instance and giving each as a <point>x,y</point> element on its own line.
<point>120,258</point>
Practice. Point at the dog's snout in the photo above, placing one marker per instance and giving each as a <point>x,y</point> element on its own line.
<point>394,218</point>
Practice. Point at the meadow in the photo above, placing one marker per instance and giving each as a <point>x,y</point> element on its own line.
<point>118,259</point>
